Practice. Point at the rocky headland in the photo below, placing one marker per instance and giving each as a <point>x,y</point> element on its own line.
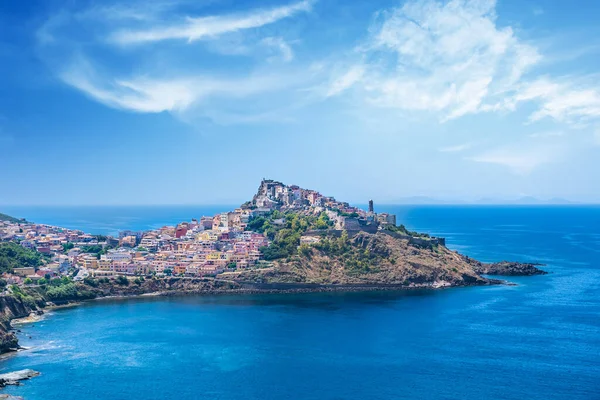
<point>380,260</point>
<point>313,243</point>
<point>371,262</point>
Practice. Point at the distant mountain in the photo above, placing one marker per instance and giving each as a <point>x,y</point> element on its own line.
<point>525,200</point>
<point>558,200</point>
<point>422,200</point>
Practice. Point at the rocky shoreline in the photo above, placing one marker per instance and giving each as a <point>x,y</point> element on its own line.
<point>13,309</point>
<point>508,268</point>
<point>15,378</point>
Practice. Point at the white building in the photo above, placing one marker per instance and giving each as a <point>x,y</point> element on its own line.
<point>118,255</point>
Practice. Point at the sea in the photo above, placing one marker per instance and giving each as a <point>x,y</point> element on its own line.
<point>538,338</point>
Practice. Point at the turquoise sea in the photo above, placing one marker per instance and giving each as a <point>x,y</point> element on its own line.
<point>539,339</point>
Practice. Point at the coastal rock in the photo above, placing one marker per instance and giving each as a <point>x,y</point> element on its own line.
<point>11,307</point>
<point>10,397</point>
<point>508,268</point>
<point>14,378</point>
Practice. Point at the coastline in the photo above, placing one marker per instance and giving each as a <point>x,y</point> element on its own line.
<point>16,311</point>
<point>280,288</point>
<point>16,324</point>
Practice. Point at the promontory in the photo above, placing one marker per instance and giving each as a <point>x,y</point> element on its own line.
<point>285,238</point>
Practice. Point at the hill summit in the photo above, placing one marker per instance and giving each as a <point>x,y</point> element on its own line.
<point>315,239</point>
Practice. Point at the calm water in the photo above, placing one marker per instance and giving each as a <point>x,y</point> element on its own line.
<point>111,220</point>
<point>537,340</point>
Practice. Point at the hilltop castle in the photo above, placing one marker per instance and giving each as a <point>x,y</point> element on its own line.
<point>274,195</point>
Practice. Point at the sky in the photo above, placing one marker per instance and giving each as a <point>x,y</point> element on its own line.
<point>195,101</point>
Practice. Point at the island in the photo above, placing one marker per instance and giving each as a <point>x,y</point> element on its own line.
<point>285,239</point>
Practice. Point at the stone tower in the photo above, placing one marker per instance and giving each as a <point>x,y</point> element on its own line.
<point>370,206</point>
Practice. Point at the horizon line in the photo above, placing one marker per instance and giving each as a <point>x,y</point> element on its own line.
<point>431,203</point>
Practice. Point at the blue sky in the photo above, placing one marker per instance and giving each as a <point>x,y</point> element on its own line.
<point>193,102</point>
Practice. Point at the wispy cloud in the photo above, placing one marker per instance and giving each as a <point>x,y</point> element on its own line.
<point>171,77</point>
<point>443,57</point>
<point>526,155</point>
<point>196,28</point>
<point>448,59</point>
<point>280,45</point>
<point>565,101</point>
<point>345,81</point>
<point>453,59</point>
<point>456,148</point>
<point>550,134</point>
<point>142,94</point>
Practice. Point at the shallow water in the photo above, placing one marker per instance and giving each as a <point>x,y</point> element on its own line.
<point>537,340</point>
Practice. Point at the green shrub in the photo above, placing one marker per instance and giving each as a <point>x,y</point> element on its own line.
<point>12,256</point>
<point>121,280</point>
<point>88,280</point>
<point>63,292</point>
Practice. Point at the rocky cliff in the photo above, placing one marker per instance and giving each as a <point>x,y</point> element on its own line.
<point>376,259</point>
<point>10,307</point>
<point>507,268</point>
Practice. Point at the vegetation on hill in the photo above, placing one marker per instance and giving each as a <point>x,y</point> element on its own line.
<point>4,217</point>
<point>12,255</point>
<point>402,230</point>
<point>57,290</point>
<point>356,258</point>
<point>285,229</point>
<point>366,258</point>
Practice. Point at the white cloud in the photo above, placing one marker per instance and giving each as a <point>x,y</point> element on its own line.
<point>157,95</point>
<point>562,101</point>
<point>444,57</point>
<point>171,77</point>
<point>522,158</point>
<point>549,134</point>
<point>447,58</point>
<point>345,81</point>
<point>284,49</point>
<point>456,148</point>
<point>451,58</point>
<point>196,28</point>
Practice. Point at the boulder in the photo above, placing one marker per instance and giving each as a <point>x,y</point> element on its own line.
<point>13,378</point>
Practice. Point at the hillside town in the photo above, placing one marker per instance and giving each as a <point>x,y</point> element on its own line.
<point>206,246</point>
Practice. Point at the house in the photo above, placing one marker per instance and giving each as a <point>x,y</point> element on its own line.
<point>24,271</point>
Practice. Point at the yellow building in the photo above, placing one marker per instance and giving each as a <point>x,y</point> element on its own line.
<point>105,265</point>
<point>90,263</point>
